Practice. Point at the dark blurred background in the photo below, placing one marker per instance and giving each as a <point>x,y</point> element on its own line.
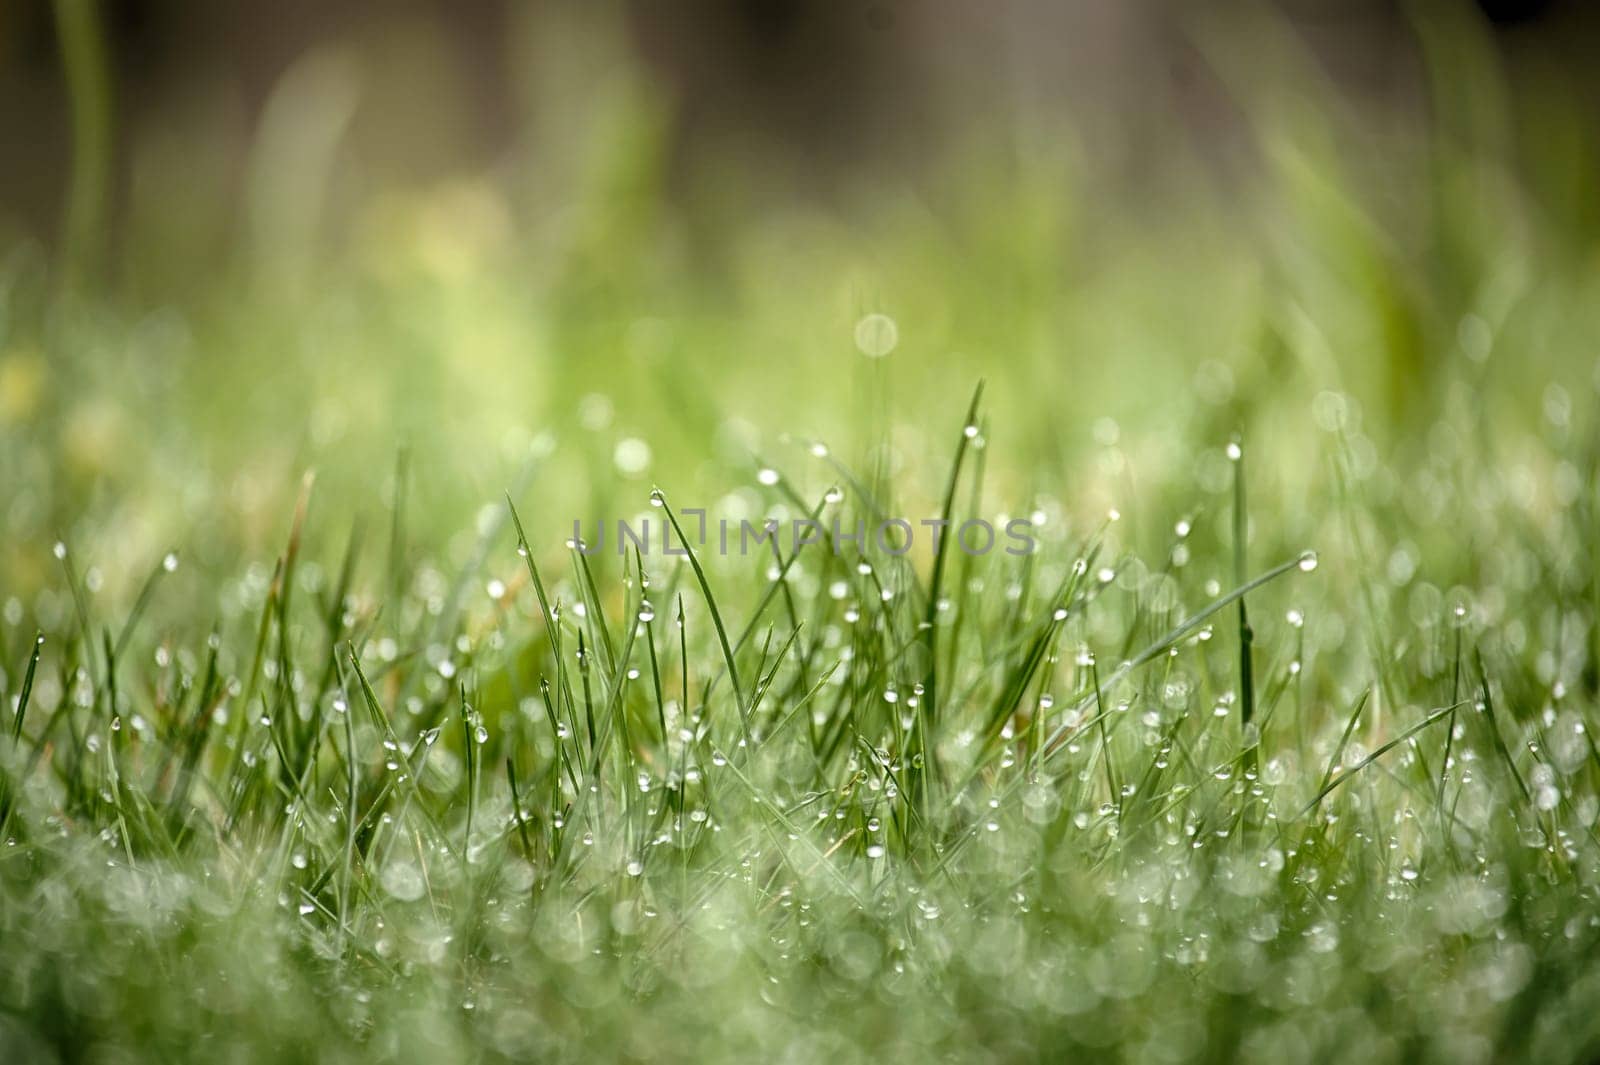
<point>813,90</point>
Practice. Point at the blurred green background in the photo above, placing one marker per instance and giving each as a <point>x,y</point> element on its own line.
<point>238,242</point>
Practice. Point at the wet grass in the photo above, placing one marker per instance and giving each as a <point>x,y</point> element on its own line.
<point>1278,748</point>
<point>560,821</point>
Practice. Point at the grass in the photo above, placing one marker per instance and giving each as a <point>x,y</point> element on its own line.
<point>370,764</point>
<point>317,832</point>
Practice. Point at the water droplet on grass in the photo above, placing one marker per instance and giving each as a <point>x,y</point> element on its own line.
<point>402,880</point>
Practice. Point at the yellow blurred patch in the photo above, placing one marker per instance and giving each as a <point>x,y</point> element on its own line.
<point>21,384</point>
<point>93,436</point>
<point>448,232</point>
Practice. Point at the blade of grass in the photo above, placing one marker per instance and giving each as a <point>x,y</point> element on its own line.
<point>711,605</point>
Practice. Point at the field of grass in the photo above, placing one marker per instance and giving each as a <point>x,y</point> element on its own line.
<point>319,741</point>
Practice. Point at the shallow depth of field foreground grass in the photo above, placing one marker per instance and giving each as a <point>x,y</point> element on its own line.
<point>383,814</point>
<point>319,742</point>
